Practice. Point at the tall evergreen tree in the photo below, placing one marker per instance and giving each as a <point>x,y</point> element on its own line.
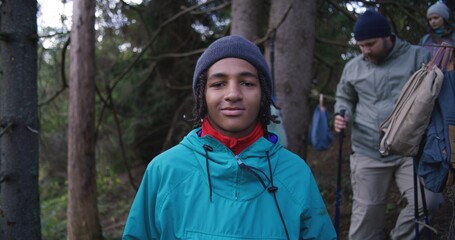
<point>293,65</point>
<point>19,196</point>
<point>82,212</point>
<point>245,18</point>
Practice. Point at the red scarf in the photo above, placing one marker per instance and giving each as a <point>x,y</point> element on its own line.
<point>236,145</point>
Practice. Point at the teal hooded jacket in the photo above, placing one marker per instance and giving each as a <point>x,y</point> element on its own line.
<point>200,190</point>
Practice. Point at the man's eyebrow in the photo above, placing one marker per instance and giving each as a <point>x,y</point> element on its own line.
<point>217,75</point>
<point>367,43</point>
<point>241,74</point>
<point>248,74</point>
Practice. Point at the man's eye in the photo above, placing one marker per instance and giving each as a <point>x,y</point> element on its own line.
<point>248,84</point>
<point>216,85</point>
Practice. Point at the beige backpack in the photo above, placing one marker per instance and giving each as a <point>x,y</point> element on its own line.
<point>402,131</point>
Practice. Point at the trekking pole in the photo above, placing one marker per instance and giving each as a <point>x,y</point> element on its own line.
<point>425,209</point>
<point>416,202</point>
<point>338,193</point>
<point>424,202</point>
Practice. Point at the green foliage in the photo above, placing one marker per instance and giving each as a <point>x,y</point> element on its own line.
<point>114,200</point>
<point>53,217</point>
<point>332,43</point>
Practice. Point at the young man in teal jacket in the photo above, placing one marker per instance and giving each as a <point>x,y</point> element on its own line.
<point>229,178</point>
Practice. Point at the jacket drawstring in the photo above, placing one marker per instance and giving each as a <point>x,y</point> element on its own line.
<point>252,170</point>
<point>207,148</point>
<point>273,189</point>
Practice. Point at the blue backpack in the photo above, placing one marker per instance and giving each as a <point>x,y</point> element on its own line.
<point>437,161</point>
<point>320,134</point>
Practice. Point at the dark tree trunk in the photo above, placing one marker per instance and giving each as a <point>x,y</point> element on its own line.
<point>83,220</point>
<point>295,39</point>
<point>246,18</point>
<point>19,199</point>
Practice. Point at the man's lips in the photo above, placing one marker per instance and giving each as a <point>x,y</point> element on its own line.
<point>232,111</point>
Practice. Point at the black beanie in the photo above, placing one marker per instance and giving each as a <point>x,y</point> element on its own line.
<point>371,24</point>
<point>236,47</point>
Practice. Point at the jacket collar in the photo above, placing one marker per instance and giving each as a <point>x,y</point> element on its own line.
<point>236,145</point>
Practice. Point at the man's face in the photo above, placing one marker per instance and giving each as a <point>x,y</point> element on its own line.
<point>375,49</point>
<point>233,96</point>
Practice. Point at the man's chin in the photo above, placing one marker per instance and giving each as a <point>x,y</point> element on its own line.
<point>372,60</point>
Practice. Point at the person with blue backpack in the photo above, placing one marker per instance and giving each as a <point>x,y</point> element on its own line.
<point>229,178</point>
<point>436,161</point>
<point>368,89</point>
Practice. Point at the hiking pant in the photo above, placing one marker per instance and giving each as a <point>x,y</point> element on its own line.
<point>371,181</point>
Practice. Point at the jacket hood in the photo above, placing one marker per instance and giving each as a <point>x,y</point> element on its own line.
<point>399,48</point>
<point>222,167</point>
<point>195,142</point>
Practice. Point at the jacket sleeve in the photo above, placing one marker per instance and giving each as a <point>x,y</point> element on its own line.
<point>424,39</point>
<point>346,95</point>
<point>315,222</point>
<point>141,222</point>
<point>425,57</point>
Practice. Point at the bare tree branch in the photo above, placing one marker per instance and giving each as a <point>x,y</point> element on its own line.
<point>141,16</point>
<point>63,75</point>
<point>174,121</point>
<point>270,31</point>
<point>178,55</point>
<point>221,6</point>
<point>109,103</point>
<point>6,128</point>
<point>157,32</point>
<point>331,42</point>
<point>342,10</point>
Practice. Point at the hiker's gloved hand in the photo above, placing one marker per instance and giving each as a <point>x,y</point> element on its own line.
<point>340,123</point>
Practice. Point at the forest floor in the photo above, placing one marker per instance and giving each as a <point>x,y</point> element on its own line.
<point>324,166</point>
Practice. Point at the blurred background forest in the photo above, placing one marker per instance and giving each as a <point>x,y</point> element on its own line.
<point>145,53</point>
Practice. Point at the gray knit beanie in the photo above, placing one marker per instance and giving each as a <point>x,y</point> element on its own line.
<point>236,47</point>
<point>440,9</point>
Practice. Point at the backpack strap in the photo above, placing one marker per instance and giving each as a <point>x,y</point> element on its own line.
<point>425,39</point>
<point>451,142</point>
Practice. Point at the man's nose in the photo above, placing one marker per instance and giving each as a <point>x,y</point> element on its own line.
<point>366,50</point>
<point>233,92</point>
